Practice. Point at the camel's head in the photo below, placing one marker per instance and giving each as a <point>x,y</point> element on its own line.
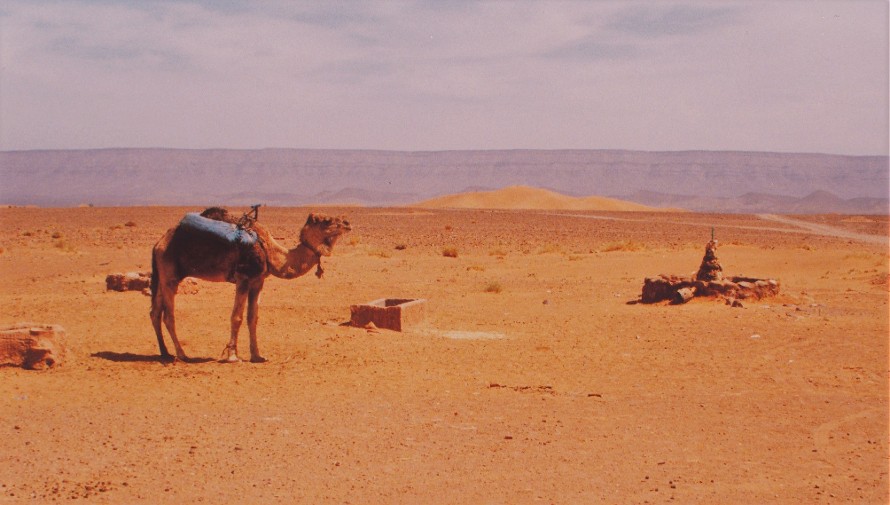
<point>321,232</point>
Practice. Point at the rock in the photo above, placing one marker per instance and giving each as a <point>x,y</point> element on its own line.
<point>663,287</point>
<point>130,281</point>
<point>683,295</point>
<point>188,286</point>
<point>32,346</point>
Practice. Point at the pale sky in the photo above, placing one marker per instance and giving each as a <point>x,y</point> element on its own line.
<point>782,76</point>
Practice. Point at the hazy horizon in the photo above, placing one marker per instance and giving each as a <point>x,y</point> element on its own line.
<point>432,151</point>
<point>804,77</point>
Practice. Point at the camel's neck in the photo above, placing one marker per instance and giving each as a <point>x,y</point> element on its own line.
<point>295,262</point>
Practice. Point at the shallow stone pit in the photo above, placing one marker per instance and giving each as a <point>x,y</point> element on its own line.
<point>390,313</point>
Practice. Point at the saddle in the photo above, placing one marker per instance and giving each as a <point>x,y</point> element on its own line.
<point>229,232</point>
<point>217,225</point>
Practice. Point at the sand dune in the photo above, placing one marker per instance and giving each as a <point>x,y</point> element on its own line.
<point>524,197</point>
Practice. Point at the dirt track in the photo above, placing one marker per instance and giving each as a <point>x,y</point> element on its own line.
<point>822,229</point>
<point>551,389</point>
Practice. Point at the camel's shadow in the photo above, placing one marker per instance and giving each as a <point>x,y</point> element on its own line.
<point>129,357</point>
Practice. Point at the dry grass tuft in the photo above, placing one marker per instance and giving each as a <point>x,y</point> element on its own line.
<point>625,245</point>
<point>550,249</point>
<point>493,287</point>
<point>449,252</point>
<point>64,246</point>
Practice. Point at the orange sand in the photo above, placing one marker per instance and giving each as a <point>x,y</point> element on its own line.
<point>552,389</point>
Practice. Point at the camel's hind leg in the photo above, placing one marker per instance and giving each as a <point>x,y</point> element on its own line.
<point>157,312</point>
<point>167,295</point>
<point>230,353</point>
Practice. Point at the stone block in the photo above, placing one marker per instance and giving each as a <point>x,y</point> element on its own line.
<point>130,281</point>
<point>32,346</point>
<point>390,313</point>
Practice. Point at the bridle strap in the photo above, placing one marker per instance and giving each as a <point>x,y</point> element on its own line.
<point>318,270</point>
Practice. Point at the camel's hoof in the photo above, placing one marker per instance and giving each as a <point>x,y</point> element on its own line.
<point>233,358</point>
<point>167,358</point>
<point>258,359</point>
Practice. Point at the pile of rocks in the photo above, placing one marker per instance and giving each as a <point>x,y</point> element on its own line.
<point>130,281</point>
<point>708,281</point>
<point>141,281</point>
<point>32,346</point>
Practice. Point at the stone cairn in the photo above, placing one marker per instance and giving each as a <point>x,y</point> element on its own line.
<point>708,281</point>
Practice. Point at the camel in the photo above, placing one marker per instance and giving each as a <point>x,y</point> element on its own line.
<point>215,247</point>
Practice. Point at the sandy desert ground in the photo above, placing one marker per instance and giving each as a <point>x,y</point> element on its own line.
<point>532,381</point>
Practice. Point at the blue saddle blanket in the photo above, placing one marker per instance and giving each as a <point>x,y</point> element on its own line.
<point>226,231</point>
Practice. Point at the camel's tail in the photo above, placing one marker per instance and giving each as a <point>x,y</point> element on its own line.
<point>154,276</point>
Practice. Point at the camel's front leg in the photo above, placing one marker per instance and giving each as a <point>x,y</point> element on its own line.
<point>253,308</point>
<point>230,353</point>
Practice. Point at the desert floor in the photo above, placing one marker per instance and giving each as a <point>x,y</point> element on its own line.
<point>533,380</point>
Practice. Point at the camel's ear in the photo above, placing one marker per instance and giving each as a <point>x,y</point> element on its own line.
<point>312,219</point>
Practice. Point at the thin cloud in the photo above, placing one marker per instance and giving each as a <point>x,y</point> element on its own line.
<point>426,74</point>
<point>661,21</point>
<point>592,49</point>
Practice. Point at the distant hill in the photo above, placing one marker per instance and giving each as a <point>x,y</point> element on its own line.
<point>385,178</point>
<point>524,197</point>
<point>817,202</point>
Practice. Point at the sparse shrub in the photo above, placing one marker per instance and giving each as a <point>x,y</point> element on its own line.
<point>27,234</point>
<point>401,247</point>
<point>57,234</point>
<point>550,249</point>
<point>475,268</point>
<point>380,253</point>
<point>130,224</point>
<point>64,246</point>
<point>449,252</point>
<point>494,287</point>
<point>626,245</point>
<point>448,227</point>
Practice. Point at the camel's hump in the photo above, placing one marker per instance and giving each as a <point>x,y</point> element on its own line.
<point>226,231</point>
